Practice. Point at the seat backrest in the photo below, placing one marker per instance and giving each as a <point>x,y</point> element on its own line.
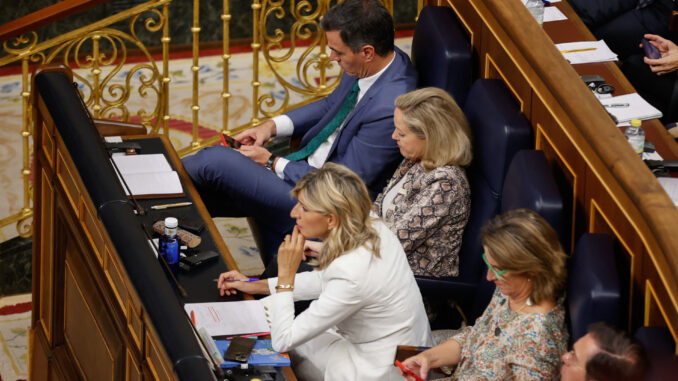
<point>499,131</point>
<point>448,66</point>
<point>530,184</point>
<point>660,349</point>
<point>593,290</point>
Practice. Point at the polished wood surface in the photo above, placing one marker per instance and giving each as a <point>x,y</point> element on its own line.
<point>47,15</point>
<point>606,187</point>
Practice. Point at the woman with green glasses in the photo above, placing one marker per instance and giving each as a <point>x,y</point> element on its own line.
<point>522,333</point>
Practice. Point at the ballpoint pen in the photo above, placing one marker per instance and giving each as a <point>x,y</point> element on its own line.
<point>175,205</point>
<point>617,105</point>
<point>241,280</point>
<point>578,50</point>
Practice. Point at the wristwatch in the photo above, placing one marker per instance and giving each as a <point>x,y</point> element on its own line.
<point>269,163</point>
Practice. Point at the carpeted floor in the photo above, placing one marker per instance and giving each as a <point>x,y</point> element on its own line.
<point>15,320</point>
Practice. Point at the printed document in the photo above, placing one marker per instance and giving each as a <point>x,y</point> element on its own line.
<point>229,318</point>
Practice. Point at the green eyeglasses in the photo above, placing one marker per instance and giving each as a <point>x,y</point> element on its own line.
<point>489,266</point>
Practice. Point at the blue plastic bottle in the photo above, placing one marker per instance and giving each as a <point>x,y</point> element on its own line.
<point>169,244</point>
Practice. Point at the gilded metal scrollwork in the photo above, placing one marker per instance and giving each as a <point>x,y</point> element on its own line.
<point>313,62</point>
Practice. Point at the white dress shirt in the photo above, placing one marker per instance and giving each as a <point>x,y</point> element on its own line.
<point>285,127</point>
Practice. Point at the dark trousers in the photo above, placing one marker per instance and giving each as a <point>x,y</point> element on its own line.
<point>621,25</point>
<point>232,185</point>
<point>660,90</point>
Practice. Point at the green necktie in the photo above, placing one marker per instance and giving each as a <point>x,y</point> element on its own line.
<point>314,143</point>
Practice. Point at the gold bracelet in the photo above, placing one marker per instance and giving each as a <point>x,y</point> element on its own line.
<point>285,287</point>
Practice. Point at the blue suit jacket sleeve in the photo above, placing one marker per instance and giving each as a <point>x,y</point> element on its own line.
<point>364,144</point>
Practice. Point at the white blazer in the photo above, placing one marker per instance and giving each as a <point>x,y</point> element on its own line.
<point>364,307</point>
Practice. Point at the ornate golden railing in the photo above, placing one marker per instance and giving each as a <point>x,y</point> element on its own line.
<point>98,53</point>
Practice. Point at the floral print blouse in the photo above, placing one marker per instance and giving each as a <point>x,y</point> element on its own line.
<point>428,215</point>
<point>504,345</point>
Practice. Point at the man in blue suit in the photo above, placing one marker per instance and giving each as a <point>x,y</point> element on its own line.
<point>352,126</point>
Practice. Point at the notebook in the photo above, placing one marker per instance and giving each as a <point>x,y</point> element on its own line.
<point>149,176</point>
<point>630,106</point>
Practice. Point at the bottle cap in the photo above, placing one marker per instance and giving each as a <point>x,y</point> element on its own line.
<point>636,122</point>
<point>171,222</point>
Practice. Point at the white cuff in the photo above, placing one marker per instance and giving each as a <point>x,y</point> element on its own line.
<point>283,125</point>
<point>280,167</point>
<point>272,282</point>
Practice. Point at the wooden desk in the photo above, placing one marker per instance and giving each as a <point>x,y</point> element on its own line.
<point>573,29</point>
<point>103,308</point>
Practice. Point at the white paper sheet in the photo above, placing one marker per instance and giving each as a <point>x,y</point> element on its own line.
<point>229,318</point>
<point>148,174</point>
<point>553,14</point>
<point>630,106</point>
<point>670,185</point>
<point>586,52</point>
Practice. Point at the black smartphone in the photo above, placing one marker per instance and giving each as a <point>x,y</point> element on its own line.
<point>200,258</point>
<point>240,349</point>
<point>230,142</point>
<point>650,50</point>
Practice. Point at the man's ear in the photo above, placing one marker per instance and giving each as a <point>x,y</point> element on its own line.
<point>368,52</point>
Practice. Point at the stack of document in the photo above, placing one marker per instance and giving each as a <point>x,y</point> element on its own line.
<point>630,106</point>
<point>586,52</point>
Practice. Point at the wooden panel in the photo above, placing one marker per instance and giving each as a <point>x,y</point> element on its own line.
<point>132,370</point>
<point>68,182</point>
<point>48,147</point>
<point>91,335</point>
<point>135,324</point>
<point>469,20</point>
<point>155,360</point>
<point>497,64</point>
<point>92,232</point>
<point>115,279</point>
<point>46,254</point>
<point>38,360</point>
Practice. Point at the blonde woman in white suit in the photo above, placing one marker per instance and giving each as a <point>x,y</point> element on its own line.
<point>365,298</point>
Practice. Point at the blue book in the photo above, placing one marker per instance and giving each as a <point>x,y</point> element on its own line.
<point>262,355</point>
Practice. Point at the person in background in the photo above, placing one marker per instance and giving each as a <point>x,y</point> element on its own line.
<point>656,80</point>
<point>351,126</point>
<point>426,204</point>
<point>365,298</point>
<point>522,334</point>
<point>427,201</point>
<point>604,354</point>
<point>622,23</point>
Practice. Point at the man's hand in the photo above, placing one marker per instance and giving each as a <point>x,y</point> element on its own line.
<point>257,136</point>
<point>669,52</point>
<point>259,155</point>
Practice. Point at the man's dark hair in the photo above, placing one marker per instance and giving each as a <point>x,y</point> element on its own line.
<point>360,23</point>
<point>621,357</point>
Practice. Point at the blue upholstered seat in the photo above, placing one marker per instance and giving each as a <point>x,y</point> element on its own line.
<point>441,52</point>
<point>593,290</point>
<point>660,348</point>
<point>499,131</point>
<point>529,184</point>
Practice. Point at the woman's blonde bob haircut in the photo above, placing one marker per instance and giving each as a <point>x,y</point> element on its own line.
<point>335,189</point>
<point>433,115</point>
<point>522,242</point>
